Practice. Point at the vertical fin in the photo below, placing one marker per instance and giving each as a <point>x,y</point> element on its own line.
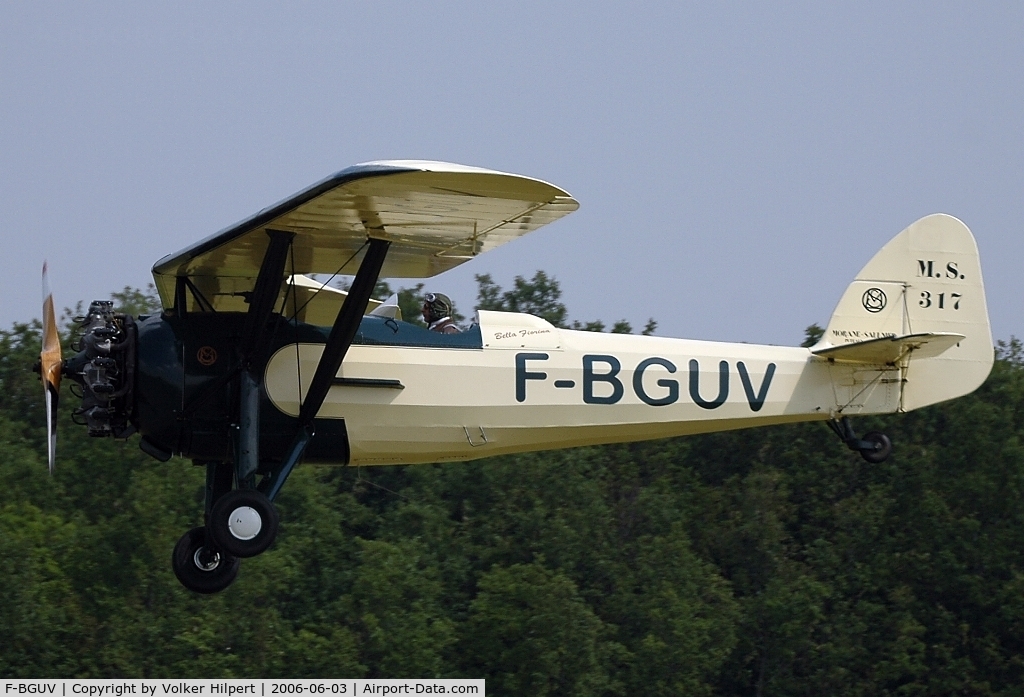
<point>927,279</point>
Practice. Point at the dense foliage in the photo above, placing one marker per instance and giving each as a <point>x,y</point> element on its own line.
<point>762,562</point>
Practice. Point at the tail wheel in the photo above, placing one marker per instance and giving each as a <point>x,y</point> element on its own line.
<point>198,567</point>
<point>881,447</point>
<point>243,523</point>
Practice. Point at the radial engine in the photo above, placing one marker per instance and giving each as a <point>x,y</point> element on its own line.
<point>104,369</point>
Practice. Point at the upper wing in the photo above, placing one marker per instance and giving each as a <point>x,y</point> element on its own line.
<point>436,215</point>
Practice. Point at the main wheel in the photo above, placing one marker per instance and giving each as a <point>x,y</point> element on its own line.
<point>243,523</point>
<point>199,568</point>
<point>881,450</point>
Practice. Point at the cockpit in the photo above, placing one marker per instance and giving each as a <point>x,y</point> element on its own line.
<point>375,330</point>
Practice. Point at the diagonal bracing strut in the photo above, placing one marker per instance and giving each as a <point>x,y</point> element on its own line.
<point>338,342</point>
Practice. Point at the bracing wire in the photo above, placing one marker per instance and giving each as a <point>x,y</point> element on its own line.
<point>362,480</point>
<point>317,291</point>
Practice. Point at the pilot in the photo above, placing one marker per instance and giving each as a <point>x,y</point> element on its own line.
<point>437,313</point>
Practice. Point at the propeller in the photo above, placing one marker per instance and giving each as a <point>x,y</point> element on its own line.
<point>50,368</point>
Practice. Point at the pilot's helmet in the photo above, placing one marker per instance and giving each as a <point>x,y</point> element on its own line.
<point>436,306</point>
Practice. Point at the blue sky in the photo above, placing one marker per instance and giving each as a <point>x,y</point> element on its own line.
<point>736,163</point>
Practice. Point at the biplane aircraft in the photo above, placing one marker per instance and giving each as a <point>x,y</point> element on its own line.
<point>253,367</point>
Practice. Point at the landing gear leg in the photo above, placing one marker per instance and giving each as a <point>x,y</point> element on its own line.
<point>874,447</point>
<point>244,522</point>
<point>219,481</point>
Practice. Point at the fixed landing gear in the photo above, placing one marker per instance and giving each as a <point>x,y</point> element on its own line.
<point>199,567</point>
<point>240,523</point>
<point>243,523</point>
<point>874,447</point>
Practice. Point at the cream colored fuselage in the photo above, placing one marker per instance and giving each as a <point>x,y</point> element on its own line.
<point>534,387</point>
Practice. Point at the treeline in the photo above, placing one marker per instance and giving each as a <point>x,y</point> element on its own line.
<point>762,562</point>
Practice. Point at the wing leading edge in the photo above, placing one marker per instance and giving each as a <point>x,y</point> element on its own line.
<point>436,215</point>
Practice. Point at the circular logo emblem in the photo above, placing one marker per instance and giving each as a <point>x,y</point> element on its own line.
<point>207,355</point>
<point>873,300</point>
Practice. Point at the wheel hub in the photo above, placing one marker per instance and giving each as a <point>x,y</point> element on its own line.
<point>205,560</point>
<point>245,523</point>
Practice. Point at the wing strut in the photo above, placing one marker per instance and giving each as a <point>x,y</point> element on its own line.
<point>264,293</point>
<point>261,304</point>
<point>344,329</point>
<point>342,333</point>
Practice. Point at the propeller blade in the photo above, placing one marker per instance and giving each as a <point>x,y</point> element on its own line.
<point>50,367</point>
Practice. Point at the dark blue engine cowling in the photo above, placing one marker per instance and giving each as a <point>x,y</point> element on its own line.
<point>187,390</point>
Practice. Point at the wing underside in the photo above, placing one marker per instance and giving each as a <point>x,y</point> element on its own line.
<point>435,215</point>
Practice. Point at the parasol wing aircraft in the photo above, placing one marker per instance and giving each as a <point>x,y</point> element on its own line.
<point>252,367</point>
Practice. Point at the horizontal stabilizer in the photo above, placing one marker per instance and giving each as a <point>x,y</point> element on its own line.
<point>890,349</point>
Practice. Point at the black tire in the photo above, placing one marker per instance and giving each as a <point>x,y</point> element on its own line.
<point>882,447</point>
<point>200,569</point>
<point>243,523</point>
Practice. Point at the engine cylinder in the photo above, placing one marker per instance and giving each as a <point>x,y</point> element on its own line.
<point>104,368</point>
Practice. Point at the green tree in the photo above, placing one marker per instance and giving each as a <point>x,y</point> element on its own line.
<point>812,335</point>
<point>404,631</point>
<point>681,617</point>
<point>541,296</point>
<point>136,301</point>
<point>538,296</point>
<point>39,610</point>
<point>530,632</point>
